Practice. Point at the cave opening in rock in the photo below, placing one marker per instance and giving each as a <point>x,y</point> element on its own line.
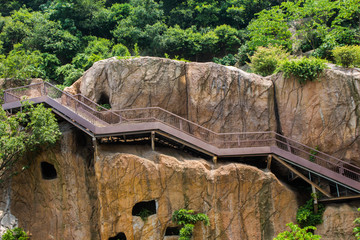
<point>48,171</point>
<point>104,101</point>
<point>172,231</point>
<point>120,236</point>
<point>144,209</point>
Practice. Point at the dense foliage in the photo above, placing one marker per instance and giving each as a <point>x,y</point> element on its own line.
<point>25,131</point>
<point>357,227</point>
<point>60,39</point>
<point>187,218</point>
<point>266,60</point>
<point>347,56</point>
<point>298,233</point>
<point>15,234</point>
<point>306,216</point>
<point>304,69</point>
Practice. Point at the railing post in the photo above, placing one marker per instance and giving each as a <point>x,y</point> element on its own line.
<point>180,122</point>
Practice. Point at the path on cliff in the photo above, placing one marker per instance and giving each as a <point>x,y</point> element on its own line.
<point>99,123</point>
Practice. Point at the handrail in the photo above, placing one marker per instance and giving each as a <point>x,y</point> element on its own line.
<point>220,140</point>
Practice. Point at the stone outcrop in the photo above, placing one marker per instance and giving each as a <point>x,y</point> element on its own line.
<point>338,221</point>
<point>241,201</point>
<point>323,113</point>
<point>93,193</point>
<point>64,207</point>
<point>221,98</point>
<point>94,200</point>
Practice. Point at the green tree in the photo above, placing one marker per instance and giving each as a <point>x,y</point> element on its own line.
<point>68,74</point>
<point>298,233</point>
<point>27,130</point>
<point>270,27</point>
<point>97,49</point>
<point>21,64</point>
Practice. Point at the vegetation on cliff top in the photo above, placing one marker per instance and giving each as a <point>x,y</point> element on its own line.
<point>25,131</point>
<point>60,39</point>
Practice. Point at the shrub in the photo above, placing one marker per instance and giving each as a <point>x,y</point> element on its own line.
<point>228,60</point>
<point>306,216</point>
<point>357,227</point>
<point>298,233</point>
<point>347,56</point>
<point>15,234</point>
<point>187,218</point>
<point>243,54</point>
<point>266,60</point>
<point>304,69</point>
<point>120,50</point>
<point>68,73</point>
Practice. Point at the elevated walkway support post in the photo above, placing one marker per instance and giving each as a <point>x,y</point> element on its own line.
<point>152,140</point>
<point>214,159</point>
<point>95,147</point>
<point>314,195</point>
<point>269,158</point>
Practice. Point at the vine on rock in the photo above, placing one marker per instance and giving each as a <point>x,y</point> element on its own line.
<point>188,218</point>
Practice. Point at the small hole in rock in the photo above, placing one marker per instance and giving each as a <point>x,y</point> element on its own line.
<point>144,209</point>
<point>172,231</point>
<point>48,171</point>
<point>104,101</point>
<point>120,236</point>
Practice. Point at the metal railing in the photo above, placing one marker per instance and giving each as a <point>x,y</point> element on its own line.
<point>98,115</point>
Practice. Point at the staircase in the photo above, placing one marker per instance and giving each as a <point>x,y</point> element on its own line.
<point>101,123</point>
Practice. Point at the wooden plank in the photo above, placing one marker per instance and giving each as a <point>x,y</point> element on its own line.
<point>302,176</point>
<point>337,199</point>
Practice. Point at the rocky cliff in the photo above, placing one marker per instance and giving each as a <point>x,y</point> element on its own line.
<point>323,113</point>
<point>95,200</point>
<point>72,191</point>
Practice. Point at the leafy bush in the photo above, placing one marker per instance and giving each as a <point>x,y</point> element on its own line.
<point>69,73</point>
<point>305,69</point>
<point>266,60</point>
<point>228,60</point>
<point>347,56</point>
<point>357,228</point>
<point>298,233</point>
<point>120,50</point>
<point>15,234</point>
<point>306,216</point>
<point>187,218</point>
<point>243,54</point>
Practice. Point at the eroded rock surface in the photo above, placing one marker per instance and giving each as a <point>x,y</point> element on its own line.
<point>241,201</point>
<point>222,98</point>
<point>338,222</point>
<point>64,207</point>
<point>323,113</point>
<point>94,200</point>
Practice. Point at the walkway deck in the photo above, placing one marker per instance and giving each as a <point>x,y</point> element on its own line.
<point>99,122</point>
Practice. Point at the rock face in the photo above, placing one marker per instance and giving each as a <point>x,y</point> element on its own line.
<point>222,98</point>
<point>338,222</point>
<point>241,201</point>
<point>64,207</point>
<point>73,192</point>
<point>323,113</point>
<point>95,200</point>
